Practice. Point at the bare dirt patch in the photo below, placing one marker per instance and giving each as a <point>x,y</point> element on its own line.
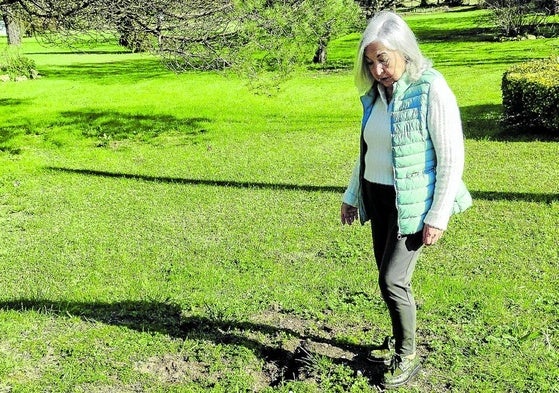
<point>290,349</point>
<point>174,368</point>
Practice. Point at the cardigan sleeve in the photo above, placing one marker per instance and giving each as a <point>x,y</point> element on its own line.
<point>351,194</point>
<point>445,130</point>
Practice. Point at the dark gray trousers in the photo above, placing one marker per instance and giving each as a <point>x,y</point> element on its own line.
<point>396,258</point>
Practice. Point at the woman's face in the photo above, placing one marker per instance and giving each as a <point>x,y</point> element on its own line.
<point>385,65</point>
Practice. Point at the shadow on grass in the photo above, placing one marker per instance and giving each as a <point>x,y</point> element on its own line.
<point>515,196</point>
<point>481,121</point>
<point>11,101</point>
<point>109,126</point>
<point>204,182</point>
<point>455,61</point>
<point>471,28</point>
<point>121,71</point>
<point>7,133</point>
<point>485,195</point>
<point>118,125</point>
<point>167,319</point>
<point>473,34</point>
<point>484,122</point>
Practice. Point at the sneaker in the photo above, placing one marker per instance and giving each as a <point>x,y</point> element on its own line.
<point>383,353</point>
<point>401,371</point>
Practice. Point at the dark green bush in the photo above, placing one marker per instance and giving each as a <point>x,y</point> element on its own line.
<point>531,96</point>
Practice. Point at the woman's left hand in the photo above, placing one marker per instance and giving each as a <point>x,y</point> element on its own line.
<point>431,235</point>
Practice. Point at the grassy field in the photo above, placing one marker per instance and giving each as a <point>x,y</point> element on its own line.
<point>178,233</point>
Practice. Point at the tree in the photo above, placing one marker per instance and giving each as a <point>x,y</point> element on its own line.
<point>38,14</point>
<point>12,24</point>
<point>552,6</point>
<point>518,17</point>
<point>370,7</point>
<point>332,19</point>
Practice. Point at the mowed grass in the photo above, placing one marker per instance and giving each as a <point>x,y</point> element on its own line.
<point>178,233</point>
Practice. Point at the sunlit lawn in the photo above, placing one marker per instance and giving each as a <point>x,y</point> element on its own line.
<point>179,233</point>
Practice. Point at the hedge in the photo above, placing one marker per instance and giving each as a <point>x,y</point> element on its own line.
<point>531,96</point>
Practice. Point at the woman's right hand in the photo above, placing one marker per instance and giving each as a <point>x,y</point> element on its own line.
<point>348,214</point>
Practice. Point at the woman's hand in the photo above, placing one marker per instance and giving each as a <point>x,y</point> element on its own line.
<point>348,214</point>
<point>431,235</point>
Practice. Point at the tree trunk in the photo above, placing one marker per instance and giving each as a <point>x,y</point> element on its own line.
<point>320,55</point>
<point>321,52</point>
<point>13,29</point>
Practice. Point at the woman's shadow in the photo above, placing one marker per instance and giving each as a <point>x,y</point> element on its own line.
<point>168,319</point>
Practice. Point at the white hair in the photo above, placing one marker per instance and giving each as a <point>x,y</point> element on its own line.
<point>392,31</point>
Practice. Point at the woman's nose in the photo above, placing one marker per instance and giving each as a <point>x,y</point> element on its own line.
<point>377,69</point>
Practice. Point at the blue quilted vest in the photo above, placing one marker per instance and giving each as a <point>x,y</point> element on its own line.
<point>414,158</point>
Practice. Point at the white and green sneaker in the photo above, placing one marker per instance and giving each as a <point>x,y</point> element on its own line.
<point>401,371</point>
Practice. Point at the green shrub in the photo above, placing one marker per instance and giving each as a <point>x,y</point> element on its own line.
<point>14,64</point>
<point>531,96</point>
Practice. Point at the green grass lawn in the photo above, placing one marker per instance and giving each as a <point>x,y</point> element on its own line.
<point>178,233</point>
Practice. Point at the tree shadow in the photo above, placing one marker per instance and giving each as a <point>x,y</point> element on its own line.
<point>168,319</point>
<point>484,122</point>
<point>108,126</point>
<point>484,195</point>
<point>481,122</point>
<point>122,71</point>
<point>206,182</point>
<point>470,29</point>
<point>514,57</point>
<point>473,34</point>
<point>9,132</point>
<point>118,125</point>
<point>515,196</point>
<point>11,101</point>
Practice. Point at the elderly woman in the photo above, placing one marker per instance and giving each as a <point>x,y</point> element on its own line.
<point>408,178</point>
